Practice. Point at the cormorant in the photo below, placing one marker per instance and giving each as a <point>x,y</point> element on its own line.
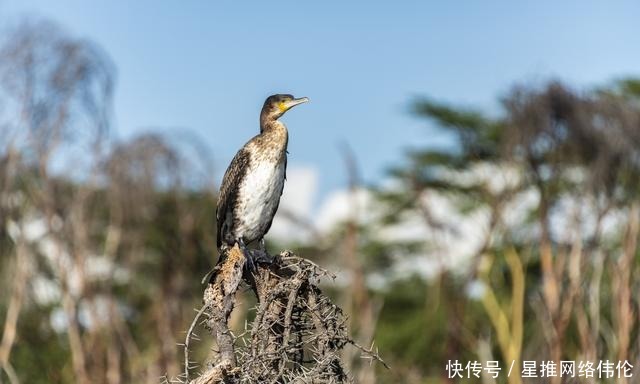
<point>253,183</point>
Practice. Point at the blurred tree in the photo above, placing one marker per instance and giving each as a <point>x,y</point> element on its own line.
<point>100,240</point>
<point>578,154</point>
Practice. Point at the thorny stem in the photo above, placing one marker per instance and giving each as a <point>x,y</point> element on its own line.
<point>188,340</point>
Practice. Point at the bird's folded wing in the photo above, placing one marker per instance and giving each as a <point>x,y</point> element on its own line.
<point>229,189</point>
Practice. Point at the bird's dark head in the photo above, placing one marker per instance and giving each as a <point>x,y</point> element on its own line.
<point>276,105</point>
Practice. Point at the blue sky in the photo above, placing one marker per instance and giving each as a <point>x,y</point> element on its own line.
<point>206,66</point>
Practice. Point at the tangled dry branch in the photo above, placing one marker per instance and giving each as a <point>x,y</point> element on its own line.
<point>297,334</point>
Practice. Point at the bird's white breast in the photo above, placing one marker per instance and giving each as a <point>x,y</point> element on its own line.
<point>259,195</point>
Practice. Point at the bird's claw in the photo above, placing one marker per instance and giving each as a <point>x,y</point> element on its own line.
<point>249,265</point>
<point>261,256</point>
<point>255,257</point>
<point>209,276</point>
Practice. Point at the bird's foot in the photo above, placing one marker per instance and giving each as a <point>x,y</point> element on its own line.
<point>261,256</point>
<point>262,245</point>
<point>255,257</point>
<point>249,265</point>
<point>209,276</point>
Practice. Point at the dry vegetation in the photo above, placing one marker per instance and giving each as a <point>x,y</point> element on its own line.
<point>297,334</point>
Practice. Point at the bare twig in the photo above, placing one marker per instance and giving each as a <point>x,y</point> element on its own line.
<point>187,340</point>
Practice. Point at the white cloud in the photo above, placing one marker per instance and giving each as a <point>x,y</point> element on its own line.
<point>296,202</point>
<point>341,205</point>
<point>447,248</point>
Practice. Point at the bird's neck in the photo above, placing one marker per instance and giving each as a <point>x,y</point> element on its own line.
<point>271,126</point>
<point>274,133</point>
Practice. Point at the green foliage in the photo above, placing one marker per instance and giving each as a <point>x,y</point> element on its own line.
<point>49,361</point>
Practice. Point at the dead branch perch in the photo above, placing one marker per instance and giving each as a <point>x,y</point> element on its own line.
<point>297,334</point>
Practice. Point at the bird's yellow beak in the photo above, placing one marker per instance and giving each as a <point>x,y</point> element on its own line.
<point>287,105</point>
